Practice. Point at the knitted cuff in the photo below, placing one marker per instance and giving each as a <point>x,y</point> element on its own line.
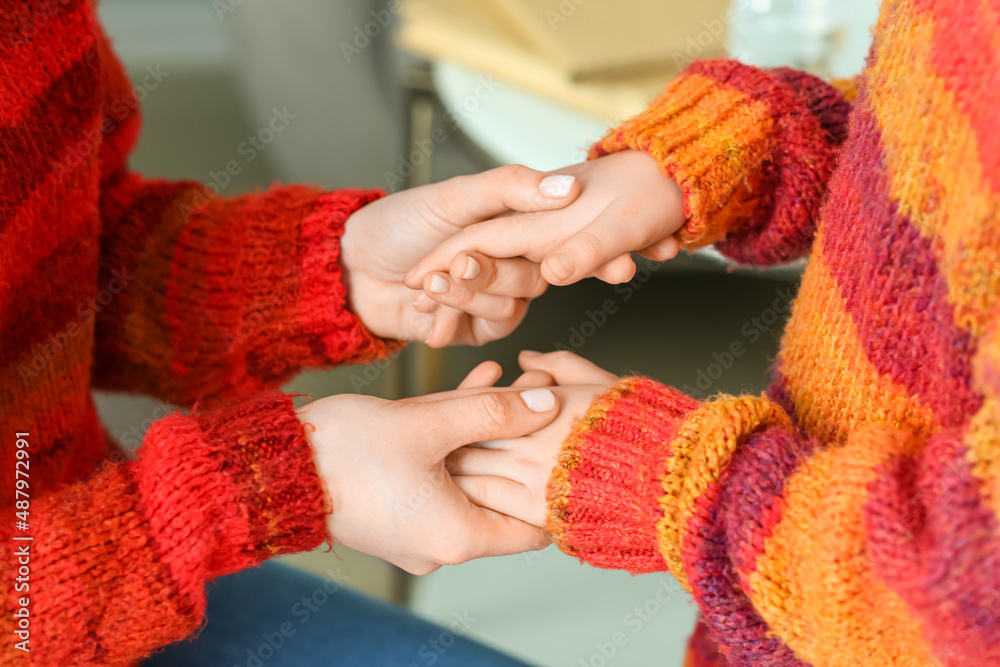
<point>329,331</point>
<point>604,494</point>
<point>746,151</point>
<point>230,488</point>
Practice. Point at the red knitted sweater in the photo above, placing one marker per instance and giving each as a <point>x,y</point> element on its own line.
<point>111,280</point>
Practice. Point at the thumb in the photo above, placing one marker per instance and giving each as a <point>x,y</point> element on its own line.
<point>466,416</point>
<point>466,200</point>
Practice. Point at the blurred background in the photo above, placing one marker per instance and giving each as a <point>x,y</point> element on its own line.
<point>388,94</point>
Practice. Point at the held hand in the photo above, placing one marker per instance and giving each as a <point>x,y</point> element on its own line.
<point>385,239</point>
<point>383,465</point>
<point>626,205</point>
<point>510,475</point>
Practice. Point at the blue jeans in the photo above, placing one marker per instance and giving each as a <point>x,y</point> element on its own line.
<point>278,616</point>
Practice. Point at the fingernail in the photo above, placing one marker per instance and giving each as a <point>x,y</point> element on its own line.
<point>560,266</point>
<point>557,185</point>
<point>539,400</point>
<point>438,284</point>
<point>471,269</point>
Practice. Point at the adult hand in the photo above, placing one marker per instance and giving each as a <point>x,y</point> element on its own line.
<point>626,206</point>
<point>385,239</point>
<point>383,466</point>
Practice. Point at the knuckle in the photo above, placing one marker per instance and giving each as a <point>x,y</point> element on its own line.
<point>562,357</point>
<point>507,309</point>
<point>459,298</point>
<point>482,490</point>
<point>538,286</point>
<point>588,243</point>
<point>512,174</point>
<point>624,273</point>
<point>495,411</point>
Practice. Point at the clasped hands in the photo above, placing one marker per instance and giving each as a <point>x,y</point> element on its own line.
<point>441,479</point>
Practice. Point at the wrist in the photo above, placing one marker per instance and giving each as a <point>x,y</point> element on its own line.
<point>349,261</point>
<point>361,289</point>
<point>336,278</point>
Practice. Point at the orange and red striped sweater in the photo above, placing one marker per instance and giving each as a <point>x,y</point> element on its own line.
<point>114,281</point>
<point>849,516</point>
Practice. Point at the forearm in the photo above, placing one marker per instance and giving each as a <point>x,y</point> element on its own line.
<point>223,297</point>
<point>793,550</point>
<point>118,563</point>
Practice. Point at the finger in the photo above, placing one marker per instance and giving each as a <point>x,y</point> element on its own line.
<point>619,270</point>
<point>444,328</point>
<point>468,199</point>
<point>497,534</point>
<point>481,461</point>
<point>566,368</point>
<point>424,304</point>
<point>530,235</point>
<point>441,426</point>
<point>485,374</point>
<point>504,496</point>
<point>516,276</point>
<point>598,243</point>
<point>662,250</point>
<point>440,288</point>
<point>534,379</point>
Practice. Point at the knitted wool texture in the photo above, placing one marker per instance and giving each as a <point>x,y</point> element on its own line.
<point>114,281</point>
<point>850,515</point>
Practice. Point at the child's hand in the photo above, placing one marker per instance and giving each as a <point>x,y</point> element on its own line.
<point>627,205</point>
<point>510,476</point>
<point>386,238</point>
<point>383,466</point>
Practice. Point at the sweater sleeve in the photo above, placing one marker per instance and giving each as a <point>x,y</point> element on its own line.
<point>751,149</point>
<point>116,565</point>
<point>213,296</point>
<point>881,550</point>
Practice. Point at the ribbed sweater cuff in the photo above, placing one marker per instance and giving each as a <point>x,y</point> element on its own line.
<point>748,151</point>
<point>230,488</point>
<point>328,332</point>
<point>604,494</point>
